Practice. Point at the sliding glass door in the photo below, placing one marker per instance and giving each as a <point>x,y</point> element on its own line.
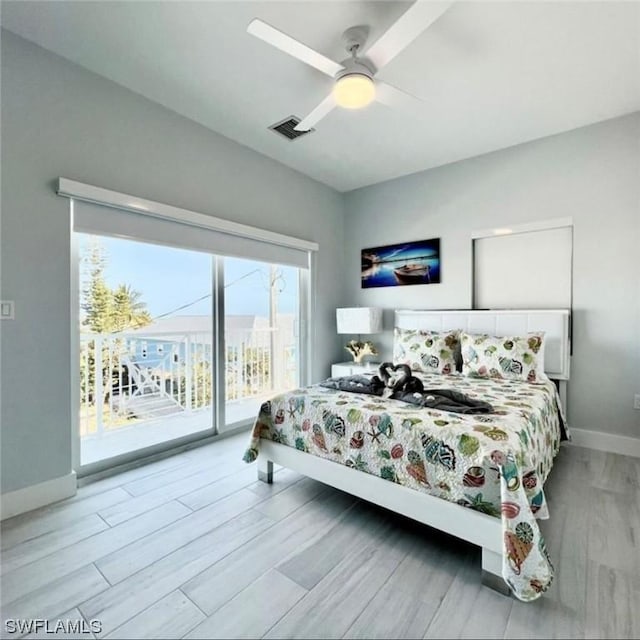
<point>176,344</point>
<point>261,323</point>
<point>146,346</point>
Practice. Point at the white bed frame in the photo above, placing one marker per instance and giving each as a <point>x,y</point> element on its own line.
<point>473,526</point>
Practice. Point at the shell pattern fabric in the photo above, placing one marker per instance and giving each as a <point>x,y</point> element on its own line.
<point>426,351</point>
<point>504,357</point>
<point>495,463</point>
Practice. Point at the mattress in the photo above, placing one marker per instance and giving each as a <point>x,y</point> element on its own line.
<point>494,463</point>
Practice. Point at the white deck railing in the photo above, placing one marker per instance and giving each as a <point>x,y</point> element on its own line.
<point>131,378</point>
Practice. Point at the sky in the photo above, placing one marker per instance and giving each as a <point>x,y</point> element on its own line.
<point>405,251</point>
<point>169,278</point>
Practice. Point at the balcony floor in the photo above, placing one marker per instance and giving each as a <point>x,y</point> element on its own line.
<point>121,440</point>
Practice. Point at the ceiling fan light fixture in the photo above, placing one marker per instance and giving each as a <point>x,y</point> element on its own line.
<point>354,91</point>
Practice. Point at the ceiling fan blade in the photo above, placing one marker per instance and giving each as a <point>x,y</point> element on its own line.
<point>327,105</point>
<point>418,17</point>
<point>391,96</point>
<point>294,48</point>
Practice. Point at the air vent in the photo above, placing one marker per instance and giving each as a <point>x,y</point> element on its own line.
<point>286,128</point>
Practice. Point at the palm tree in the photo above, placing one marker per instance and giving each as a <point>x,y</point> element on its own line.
<point>106,310</point>
<point>128,310</point>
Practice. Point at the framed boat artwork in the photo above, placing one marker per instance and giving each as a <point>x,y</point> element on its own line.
<point>401,264</point>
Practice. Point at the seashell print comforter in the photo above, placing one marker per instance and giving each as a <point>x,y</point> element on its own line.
<point>495,463</point>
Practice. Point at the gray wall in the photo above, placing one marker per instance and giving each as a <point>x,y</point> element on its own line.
<point>61,120</point>
<point>591,174</point>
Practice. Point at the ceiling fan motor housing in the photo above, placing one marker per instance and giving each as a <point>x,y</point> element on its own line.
<point>353,66</point>
<point>354,38</point>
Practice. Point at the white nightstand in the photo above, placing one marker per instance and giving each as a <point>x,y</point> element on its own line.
<point>352,368</point>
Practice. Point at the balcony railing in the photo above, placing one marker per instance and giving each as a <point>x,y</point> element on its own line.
<point>132,378</point>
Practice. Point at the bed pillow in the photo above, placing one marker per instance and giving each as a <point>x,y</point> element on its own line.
<point>506,357</point>
<point>426,351</point>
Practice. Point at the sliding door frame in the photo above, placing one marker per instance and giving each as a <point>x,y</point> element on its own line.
<point>74,331</point>
<point>131,457</point>
<point>89,193</point>
<point>219,380</point>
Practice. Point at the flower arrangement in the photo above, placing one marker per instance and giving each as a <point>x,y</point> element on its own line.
<point>359,349</point>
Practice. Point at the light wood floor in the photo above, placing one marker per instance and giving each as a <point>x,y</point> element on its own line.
<point>193,546</point>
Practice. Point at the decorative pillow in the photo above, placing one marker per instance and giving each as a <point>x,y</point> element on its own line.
<point>426,351</point>
<point>506,357</point>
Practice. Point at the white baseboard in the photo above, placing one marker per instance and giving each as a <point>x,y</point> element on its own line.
<point>38,495</point>
<point>606,442</point>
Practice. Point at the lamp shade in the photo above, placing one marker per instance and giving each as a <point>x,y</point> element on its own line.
<point>359,320</point>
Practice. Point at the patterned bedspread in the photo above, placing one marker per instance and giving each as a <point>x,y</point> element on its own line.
<point>495,463</point>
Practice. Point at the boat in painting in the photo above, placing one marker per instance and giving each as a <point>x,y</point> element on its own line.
<point>413,274</point>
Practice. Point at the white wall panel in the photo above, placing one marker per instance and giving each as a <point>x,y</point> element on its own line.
<point>523,270</point>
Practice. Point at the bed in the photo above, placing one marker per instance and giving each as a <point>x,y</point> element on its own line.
<point>479,477</point>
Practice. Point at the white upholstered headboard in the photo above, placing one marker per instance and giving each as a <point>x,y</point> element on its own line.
<point>554,322</point>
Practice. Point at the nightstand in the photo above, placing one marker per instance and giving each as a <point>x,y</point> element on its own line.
<point>353,368</point>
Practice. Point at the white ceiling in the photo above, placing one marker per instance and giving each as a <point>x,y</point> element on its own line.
<point>491,74</point>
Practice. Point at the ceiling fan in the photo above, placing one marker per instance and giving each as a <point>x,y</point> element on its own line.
<point>355,83</point>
